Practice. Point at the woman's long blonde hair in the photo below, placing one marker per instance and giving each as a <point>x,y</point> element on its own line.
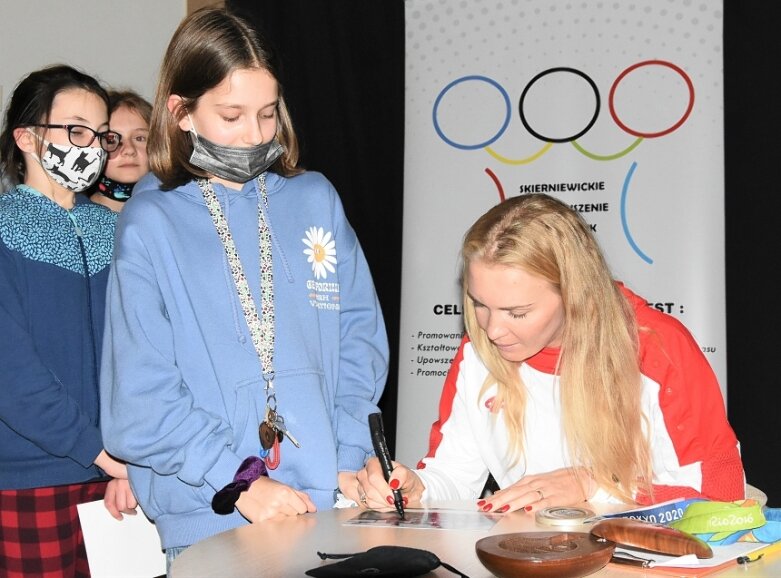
<point>599,369</point>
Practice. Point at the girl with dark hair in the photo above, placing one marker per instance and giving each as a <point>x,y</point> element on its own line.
<point>55,250</point>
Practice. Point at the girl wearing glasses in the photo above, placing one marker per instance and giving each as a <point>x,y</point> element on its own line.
<point>130,115</point>
<point>55,249</point>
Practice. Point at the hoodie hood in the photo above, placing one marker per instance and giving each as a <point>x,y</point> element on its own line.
<point>150,182</point>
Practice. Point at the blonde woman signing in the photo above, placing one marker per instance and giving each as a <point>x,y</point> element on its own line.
<point>567,387</point>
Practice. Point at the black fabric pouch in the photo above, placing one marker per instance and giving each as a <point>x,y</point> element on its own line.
<point>381,562</point>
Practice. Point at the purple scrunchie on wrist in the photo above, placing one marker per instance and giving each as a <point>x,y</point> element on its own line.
<point>224,501</point>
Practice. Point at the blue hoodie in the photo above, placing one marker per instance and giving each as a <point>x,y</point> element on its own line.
<point>53,270</point>
<point>182,387</point>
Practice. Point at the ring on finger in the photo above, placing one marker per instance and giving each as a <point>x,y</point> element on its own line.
<point>362,499</point>
<point>539,491</point>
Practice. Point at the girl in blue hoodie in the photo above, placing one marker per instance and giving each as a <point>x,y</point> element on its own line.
<point>239,300</point>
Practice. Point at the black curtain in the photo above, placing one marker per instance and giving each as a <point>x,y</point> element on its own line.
<point>752,204</point>
<point>342,71</point>
<point>344,77</point>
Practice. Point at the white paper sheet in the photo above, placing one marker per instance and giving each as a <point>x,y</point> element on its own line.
<point>721,554</point>
<point>120,549</point>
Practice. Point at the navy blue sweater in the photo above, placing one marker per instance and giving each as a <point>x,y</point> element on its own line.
<point>53,271</point>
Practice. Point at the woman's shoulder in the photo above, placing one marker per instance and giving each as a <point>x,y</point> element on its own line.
<point>663,336</point>
<point>468,359</point>
<point>18,198</point>
<point>149,198</point>
<point>10,203</point>
<point>17,218</point>
<point>24,211</point>
<point>149,182</point>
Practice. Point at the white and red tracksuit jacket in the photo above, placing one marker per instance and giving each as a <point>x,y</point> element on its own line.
<point>695,451</point>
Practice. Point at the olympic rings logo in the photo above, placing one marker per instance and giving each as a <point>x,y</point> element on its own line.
<point>550,140</point>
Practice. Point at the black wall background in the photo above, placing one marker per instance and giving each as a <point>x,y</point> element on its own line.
<point>343,73</point>
<point>342,69</point>
<point>752,204</point>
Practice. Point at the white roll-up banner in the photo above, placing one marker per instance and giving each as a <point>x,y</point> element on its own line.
<point>615,107</point>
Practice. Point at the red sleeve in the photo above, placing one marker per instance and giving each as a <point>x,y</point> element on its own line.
<point>445,402</point>
<point>722,481</point>
<point>692,406</point>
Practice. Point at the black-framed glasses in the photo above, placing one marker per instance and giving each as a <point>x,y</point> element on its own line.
<point>83,136</point>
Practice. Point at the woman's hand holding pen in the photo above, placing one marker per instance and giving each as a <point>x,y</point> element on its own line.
<point>377,493</point>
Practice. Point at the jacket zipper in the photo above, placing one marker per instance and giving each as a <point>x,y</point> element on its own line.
<point>93,340</point>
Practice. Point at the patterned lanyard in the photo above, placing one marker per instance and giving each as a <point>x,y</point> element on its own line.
<point>261,329</point>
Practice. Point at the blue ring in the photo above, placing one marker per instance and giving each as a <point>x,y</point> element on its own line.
<point>491,140</point>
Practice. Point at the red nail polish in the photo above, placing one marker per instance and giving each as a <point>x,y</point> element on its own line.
<point>527,508</point>
<point>503,509</point>
<point>404,500</point>
<point>480,503</point>
<point>394,484</point>
<point>487,507</point>
<point>389,499</point>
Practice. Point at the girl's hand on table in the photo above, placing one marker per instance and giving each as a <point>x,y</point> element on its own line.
<point>267,498</point>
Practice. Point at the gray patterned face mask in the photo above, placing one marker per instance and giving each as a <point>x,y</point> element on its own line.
<point>234,164</point>
<point>75,168</point>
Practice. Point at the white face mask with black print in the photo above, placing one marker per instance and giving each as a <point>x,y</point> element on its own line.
<point>75,168</point>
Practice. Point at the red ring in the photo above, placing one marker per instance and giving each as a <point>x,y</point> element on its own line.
<point>675,126</point>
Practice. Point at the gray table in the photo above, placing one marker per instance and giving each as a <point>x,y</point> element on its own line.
<point>287,548</point>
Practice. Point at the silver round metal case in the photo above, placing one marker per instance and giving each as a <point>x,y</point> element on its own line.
<point>563,516</point>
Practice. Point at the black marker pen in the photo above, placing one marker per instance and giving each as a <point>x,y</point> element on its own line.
<point>381,449</point>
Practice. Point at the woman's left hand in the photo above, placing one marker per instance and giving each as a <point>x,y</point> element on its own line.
<point>563,487</point>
